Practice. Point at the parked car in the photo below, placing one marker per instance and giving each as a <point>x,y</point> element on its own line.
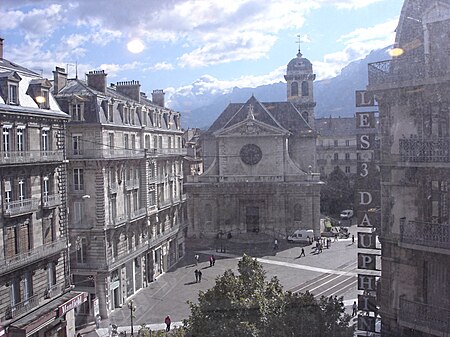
<point>346,214</point>
<point>302,236</point>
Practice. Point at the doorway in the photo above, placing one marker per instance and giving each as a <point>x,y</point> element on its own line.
<point>252,219</point>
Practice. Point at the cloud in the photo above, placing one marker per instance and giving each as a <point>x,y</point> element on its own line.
<point>350,4</point>
<point>161,66</point>
<point>114,69</point>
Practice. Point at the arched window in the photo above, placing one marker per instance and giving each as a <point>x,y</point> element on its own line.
<point>298,212</point>
<point>305,89</point>
<point>294,89</point>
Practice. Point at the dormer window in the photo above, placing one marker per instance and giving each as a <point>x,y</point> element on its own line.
<point>77,112</point>
<point>110,112</point>
<point>13,93</point>
<point>39,90</point>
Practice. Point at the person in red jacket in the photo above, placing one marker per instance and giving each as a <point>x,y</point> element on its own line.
<point>168,321</point>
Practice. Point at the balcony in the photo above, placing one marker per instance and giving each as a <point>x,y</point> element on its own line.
<point>108,153</point>
<point>51,201</point>
<point>168,152</point>
<point>164,204</point>
<point>138,213</point>
<point>418,150</point>
<point>20,207</point>
<point>433,236</point>
<point>119,220</point>
<point>131,184</point>
<point>18,261</point>
<point>424,317</point>
<point>27,157</point>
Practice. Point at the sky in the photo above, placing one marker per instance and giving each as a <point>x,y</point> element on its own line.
<point>214,44</point>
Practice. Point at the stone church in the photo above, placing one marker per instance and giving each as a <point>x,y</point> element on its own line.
<point>259,161</point>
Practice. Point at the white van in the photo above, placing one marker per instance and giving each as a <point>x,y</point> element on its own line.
<point>302,235</point>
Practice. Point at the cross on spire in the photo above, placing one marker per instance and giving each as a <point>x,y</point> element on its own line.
<point>299,54</point>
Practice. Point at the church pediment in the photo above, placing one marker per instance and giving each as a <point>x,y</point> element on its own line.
<point>251,127</point>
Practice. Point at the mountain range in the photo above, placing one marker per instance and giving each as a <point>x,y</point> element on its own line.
<point>334,96</point>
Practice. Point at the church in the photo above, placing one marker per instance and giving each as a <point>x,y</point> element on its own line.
<point>259,163</point>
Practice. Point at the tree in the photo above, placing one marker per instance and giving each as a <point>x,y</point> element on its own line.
<point>247,305</point>
<point>337,193</point>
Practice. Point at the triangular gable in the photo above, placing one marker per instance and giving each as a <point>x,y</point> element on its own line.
<point>251,127</point>
<point>259,112</point>
<point>10,75</point>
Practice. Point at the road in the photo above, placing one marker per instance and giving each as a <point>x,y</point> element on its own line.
<point>332,272</point>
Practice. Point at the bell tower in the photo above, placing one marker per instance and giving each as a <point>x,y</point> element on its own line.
<point>300,91</point>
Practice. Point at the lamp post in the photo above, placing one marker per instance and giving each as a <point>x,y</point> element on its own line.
<point>132,308</point>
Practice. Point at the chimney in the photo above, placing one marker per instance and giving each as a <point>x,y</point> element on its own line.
<point>131,89</point>
<point>96,79</point>
<point>59,79</point>
<point>158,97</point>
<point>1,48</point>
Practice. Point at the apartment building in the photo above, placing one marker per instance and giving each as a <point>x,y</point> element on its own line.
<point>35,292</point>
<point>125,178</point>
<point>413,90</point>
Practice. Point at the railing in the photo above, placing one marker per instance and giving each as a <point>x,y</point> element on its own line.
<point>164,203</point>
<point>119,220</point>
<point>131,184</point>
<point>424,317</point>
<point>240,179</point>
<point>425,150</point>
<point>19,207</point>
<point>21,157</point>
<point>159,238</point>
<point>51,200</point>
<point>172,151</point>
<point>108,153</point>
<point>54,290</point>
<point>138,213</point>
<point>425,234</point>
<point>32,255</point>
<point>23,307</point>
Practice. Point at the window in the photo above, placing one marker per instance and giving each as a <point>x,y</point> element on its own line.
<point>78,211</point>
<point>113,202</point>
<point>13,90</point>
<point>336,156</point>
<point>294,89</point>
<point>347,156</point>
<point>132,113</point>
<point>133,142</point>
<point>20,137</point>
<point>169,142</point>
<point>336,142</point>
<point>47,230</point>
<point>347,142</point>
<point>15,291</point>
<point>8,193</point>
<point>21,193</point>
<point>46,103</point>
<point>51,274</point>
<point>6,140</point>
<point>81,246</point>
<point>147,142</point>
<point>45,141</point>
<point>45,188</point>
<point>27,285</point>
<point>77,112</point>
<point>347,169</point>
<point>111,142</point>
<point>155,142</point>
<point>126,143</point>
<point>305,88</point>
<point>78,183</point>
<point>126,112</point>
<point>110,113</point>
<point>76,144</point>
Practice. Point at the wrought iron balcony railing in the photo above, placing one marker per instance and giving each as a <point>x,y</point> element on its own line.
<point>24,157</point>
<point>108,153</point>
<point>164,152</point>
<point>424,317</point>
<point>51,200</point>
<point>19,207</point>
<point>425,234</point>
<point>41,252</point>
<point>420,150</point>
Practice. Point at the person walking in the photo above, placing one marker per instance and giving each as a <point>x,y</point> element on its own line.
<point>353,238</point>
<point>196,275</point>
<point>168,321</point>
<point>213,259</point>
<point>335,237</point>
<point>302,252</point>
<point>354,309</point>
<point>275,244</point>
<point>199,276</point>
<point>196,257</point>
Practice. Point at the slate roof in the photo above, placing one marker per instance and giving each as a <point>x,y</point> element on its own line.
<point>283,115</point>
<point>343,126</point>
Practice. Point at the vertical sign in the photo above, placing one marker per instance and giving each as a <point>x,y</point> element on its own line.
<point>367,205</point>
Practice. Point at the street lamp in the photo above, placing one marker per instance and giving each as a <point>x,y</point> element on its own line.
<point>132,308</point>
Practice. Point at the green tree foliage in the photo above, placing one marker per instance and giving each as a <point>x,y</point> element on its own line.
<point>337,193</point>
<point>247,305</point>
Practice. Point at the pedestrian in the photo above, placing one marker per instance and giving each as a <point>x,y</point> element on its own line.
<point>328,242</point>
<point>196,275</point>
<point>199,276</point>
<point>320,247</point>
<point>98,319</point>
<point>354,309</point>
<point>275,244</point>
<point>213,259</point>
<point>335,237</point>
<point>303,252</point>
<point>353,238</point>
<point>196,257</point>
<point>168,321</point>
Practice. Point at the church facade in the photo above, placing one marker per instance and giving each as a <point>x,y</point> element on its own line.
<point>259,163</point>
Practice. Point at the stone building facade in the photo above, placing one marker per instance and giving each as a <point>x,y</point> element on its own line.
<point>35,293</point>
<point>259,161</point>
<point>125,176</point>
<point>413,92</point>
